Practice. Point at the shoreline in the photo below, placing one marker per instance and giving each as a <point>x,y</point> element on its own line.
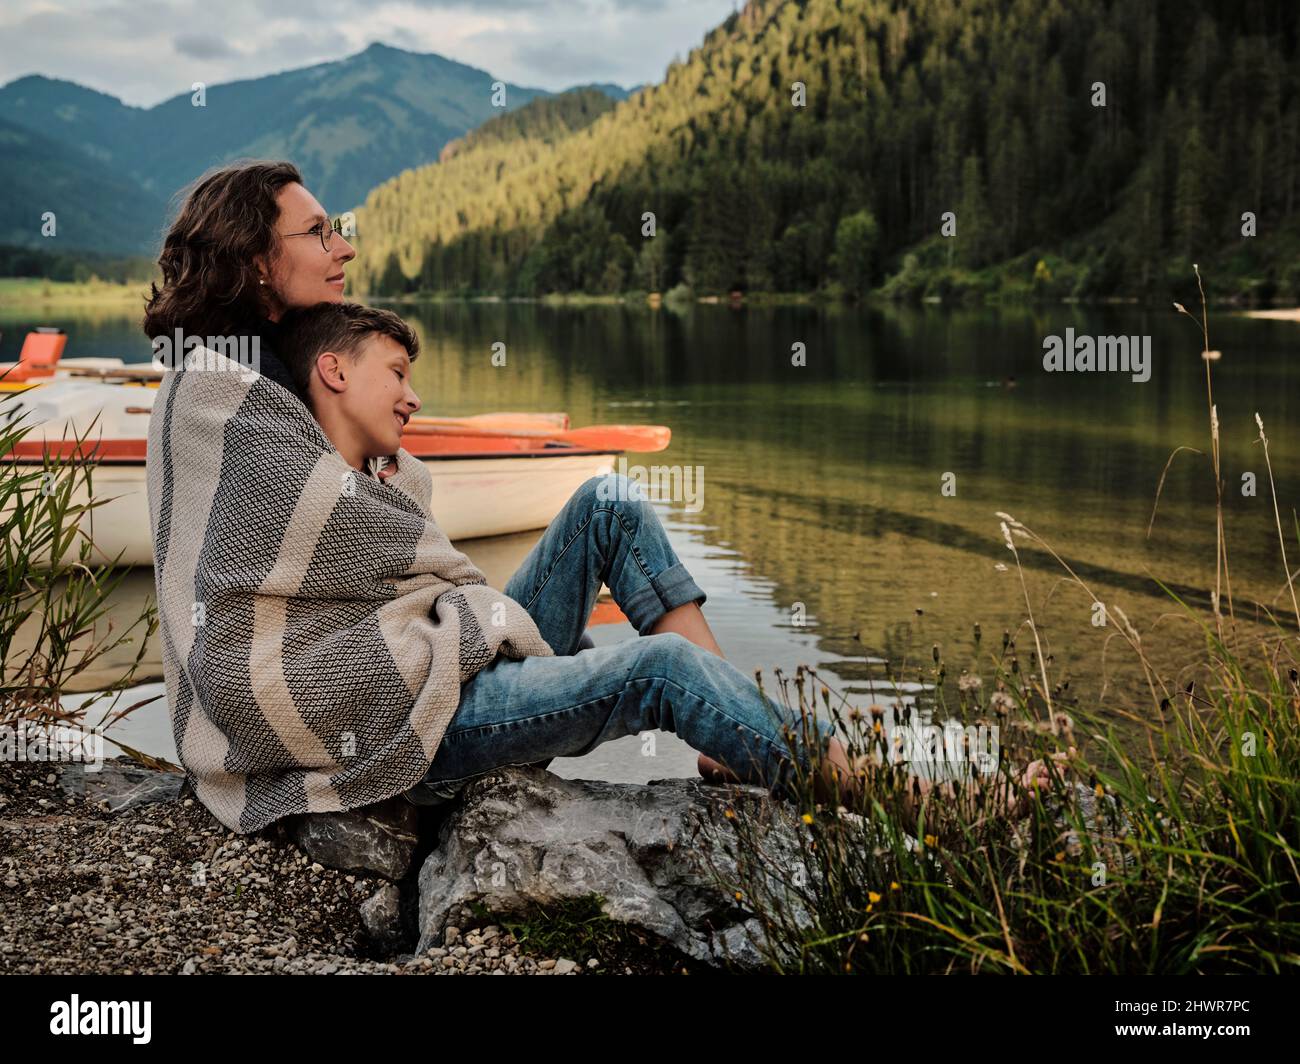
<point>21,292</point>
<point>1279,314</point>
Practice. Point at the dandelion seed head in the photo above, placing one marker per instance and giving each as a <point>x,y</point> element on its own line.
<point>1002,702</point>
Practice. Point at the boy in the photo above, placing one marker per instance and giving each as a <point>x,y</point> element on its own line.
<point>353,363</point>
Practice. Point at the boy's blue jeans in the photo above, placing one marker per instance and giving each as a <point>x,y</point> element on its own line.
<point>529,711</point>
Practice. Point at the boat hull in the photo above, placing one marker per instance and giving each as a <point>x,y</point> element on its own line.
<point>472,498</point>
<point>493,474</point>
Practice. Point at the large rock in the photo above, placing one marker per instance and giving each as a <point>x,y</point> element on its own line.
<point>379,838</point>
<point>522,837</point>
<point>122,783</point>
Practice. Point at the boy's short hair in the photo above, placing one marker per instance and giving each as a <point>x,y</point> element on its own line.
<point>306,332</point>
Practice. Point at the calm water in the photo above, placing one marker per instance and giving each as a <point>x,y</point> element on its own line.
<point>823,483</point>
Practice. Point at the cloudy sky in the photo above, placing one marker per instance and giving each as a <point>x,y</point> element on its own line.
<point>143,51</point>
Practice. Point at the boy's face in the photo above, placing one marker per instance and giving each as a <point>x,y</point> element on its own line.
<point>376,400</point>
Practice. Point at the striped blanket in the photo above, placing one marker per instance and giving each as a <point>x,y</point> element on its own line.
<point>316,624</point>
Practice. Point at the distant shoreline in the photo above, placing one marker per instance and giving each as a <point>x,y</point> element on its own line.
<point>19,292</point>
<point>36,291</point>
<point>1282,314</point>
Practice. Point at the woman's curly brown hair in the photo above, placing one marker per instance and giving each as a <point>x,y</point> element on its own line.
<point>210,281</point>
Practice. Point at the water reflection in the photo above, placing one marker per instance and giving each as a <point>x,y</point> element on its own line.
<point>826,535</point>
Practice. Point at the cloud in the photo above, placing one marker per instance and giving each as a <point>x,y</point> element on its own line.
<point>203,45</point>
<point>559,59</point>
<point>146,51</point>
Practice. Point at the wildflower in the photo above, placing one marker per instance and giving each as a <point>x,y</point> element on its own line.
<point>894,886</point>
<point>870,907</point>
<point>729,813</point>
<point>1100,791</point>
<point>873,897</point>
<point>968,683</point>
<point>932,840</point>
<point>1060,856</point>
<point>740,896</point>
<point>807,818</point>
<point>1001,702</point>
<point>861,938</point>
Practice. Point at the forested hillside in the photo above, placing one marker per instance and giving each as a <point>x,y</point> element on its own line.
<point>985,108</point>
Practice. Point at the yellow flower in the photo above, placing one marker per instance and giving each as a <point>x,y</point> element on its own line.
<point>894,886</point>
<point>740,896</point>
<point>1100,792</point>
<point>1060,856</point>
<point>807,818</point>
<point>932,840</point>
<point>870,907</point>
<point>730,814</point>
<point>872,896</point>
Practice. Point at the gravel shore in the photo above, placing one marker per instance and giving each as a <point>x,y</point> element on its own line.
<point>166,888</point>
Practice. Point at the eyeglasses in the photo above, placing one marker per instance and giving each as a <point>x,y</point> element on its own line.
<point>320,230</point>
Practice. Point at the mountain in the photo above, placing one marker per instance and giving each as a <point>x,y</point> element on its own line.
<point>95,207</point>
<point>83,119</point>
<point>348,125</point>
<point>812,143</point>
<point>608,88</point>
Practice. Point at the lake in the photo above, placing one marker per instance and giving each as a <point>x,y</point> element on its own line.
<point>848,505</point>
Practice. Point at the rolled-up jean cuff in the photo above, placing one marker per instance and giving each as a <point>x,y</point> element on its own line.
<point>672,588</point>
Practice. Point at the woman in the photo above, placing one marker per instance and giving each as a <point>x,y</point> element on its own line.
<point>249,242</point>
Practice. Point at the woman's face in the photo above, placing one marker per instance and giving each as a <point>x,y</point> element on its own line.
<point>303,273</point>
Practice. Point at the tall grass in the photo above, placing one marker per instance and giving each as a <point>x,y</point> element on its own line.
<point>53,601</point>
<point>1168,841</point>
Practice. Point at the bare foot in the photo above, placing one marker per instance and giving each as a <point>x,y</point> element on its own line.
<point>714,772</point>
